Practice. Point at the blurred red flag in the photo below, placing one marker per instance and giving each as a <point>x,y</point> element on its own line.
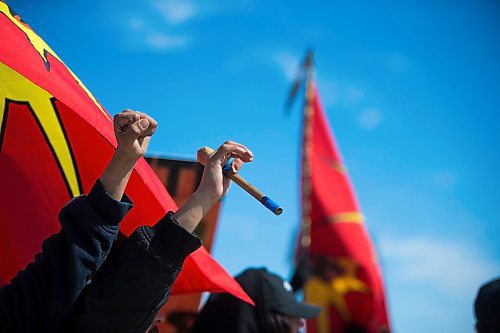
<point>345,281</point>
<point>55,140</point>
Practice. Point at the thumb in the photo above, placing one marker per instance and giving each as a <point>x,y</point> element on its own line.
<point>236,165</point>
<point>137,129</point>
<point>143,124</point>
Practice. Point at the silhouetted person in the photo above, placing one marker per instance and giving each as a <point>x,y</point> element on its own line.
<point>276,308</point>
<point>487,307</point>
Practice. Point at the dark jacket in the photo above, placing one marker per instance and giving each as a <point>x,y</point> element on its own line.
<point>135,281</point>
<point>41,297</point>
<point>75,286</point>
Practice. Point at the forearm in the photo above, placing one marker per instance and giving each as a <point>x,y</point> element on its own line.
<point>115,177</point>
<point>192,212</point>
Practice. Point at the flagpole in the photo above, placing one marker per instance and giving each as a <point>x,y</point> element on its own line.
<point>305,240</point>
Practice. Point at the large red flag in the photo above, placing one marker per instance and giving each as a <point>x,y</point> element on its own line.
<point>55,140</point>
<point>345,281</point>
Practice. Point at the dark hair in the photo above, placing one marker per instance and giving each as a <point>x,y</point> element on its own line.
<point>278,323</point>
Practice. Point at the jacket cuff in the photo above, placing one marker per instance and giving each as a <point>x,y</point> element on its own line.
<point>107,207</point>
<point>173,241</point>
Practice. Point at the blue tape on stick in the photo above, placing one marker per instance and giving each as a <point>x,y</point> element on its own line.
<point>227,166</point>
<point>271,205</point>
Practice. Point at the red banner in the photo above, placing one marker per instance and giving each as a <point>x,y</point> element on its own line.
<point>55,140</point>
<point>346,281</point>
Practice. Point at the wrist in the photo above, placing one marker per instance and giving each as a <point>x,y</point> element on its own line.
<point>208,196</point>
<point>123,157</point>
<point>194,209</point>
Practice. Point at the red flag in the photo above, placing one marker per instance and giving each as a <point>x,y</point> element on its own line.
<point>55,140</point>
<point>346,281</point>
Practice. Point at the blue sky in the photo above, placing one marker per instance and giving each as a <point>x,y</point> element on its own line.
<point>411,89</point>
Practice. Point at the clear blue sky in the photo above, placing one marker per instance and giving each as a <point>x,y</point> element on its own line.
<point>412,91</point>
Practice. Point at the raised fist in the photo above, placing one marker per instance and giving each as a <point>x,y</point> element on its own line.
<point>213,183</point>
<point>133,131</point>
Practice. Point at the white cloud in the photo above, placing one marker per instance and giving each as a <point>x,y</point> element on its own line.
<point>289,64</point>
<point>176,11</point>
<point>455,269</point>
<point>163,41</point>
<point>370,118</point>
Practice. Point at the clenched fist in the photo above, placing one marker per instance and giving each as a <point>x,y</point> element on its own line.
<point>133,131</point>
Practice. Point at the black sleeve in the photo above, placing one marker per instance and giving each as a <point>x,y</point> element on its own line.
<point>41,297</point>
<point>135,281</point>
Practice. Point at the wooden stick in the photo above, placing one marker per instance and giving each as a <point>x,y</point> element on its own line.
<point>204,153</point>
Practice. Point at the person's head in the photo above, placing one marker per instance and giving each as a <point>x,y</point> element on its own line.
<point>487,307</point>
<point>276,308</point>
<point>285,313</point>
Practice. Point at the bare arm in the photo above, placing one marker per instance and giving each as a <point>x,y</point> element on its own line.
<point>213,184</point>
<point>133,131</point>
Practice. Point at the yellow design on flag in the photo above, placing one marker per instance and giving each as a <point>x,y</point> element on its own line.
<point>348,281</point>
<point>16,88</point>
<point>336,165</point>
<point>43,49</point>
<point>332,293</point>
<point>40,46</point>
<point>347,217</point>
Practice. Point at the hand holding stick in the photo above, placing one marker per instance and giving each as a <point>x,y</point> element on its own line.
<point>204,153</point>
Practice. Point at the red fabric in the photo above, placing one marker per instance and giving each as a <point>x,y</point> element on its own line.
<point>332,194</point>
<point>32,188</point>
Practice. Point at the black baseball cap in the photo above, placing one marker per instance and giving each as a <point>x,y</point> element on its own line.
<point>279,297</point>
<point>487,305</point>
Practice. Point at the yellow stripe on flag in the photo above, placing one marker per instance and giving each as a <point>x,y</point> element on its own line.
<point>17,88</point>
<point>347,217</point>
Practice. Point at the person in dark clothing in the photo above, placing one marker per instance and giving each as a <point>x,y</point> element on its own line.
<point>276,308</point>
<point>41,297</point>
<point>134,283</point>
<point>121,293</point>
<point>487,307</point>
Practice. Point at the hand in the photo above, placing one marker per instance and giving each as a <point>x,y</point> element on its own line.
<point>133,130</point>
<point>213,183</point>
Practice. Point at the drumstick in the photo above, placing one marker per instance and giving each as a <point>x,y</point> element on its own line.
<point>202,156</point>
